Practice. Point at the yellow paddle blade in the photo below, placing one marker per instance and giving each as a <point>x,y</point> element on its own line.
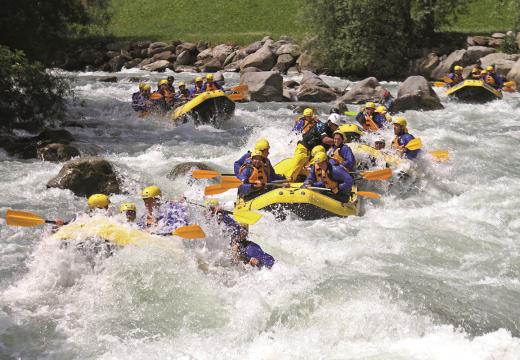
<point>219,188</point>
<point>440,154</point>
<point>190,232</point>
<point>246,217</point>
<point>383,174</point>
<point>204,174</point>
<point>350,113</point>
<point>439,83</point>
<point>240,92</point>
<point>414,144</point>
<point>22,218</point>
<point>368,194</point>
<point>447,79</point>
<point>231,180</point>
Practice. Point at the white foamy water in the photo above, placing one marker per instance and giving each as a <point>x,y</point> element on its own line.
<point>429,272</point>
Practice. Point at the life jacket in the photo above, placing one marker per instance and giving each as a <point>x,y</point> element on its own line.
<point>261,174</point>
<point>336,155</point>
<point>210,86</point>
<point>307,124</point>
<point>323,176</point>
<point>197,90</point>
<point>370,124</point>
<point>395,143</point>
<point>168,95</point>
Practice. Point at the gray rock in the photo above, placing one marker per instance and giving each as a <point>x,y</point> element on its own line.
<point>306,61</point>
<point>163,55</point>
<point>362,91</point>
<point>202,45</point>
<point>158,44</point>
<point>416,94</point>
<point>250,69</point>
<point>126,55</point>
<point>133,63</point>
<point>312,93</point>
<point>116,63</point>
<point>119,45</point>
<point>87,176</point>
<point>286,38</point>
<point>498,35</point>
<point>145,62</point>
<point>205,54</point>
<point>284,62</point>
<point>185,58</point>
<point>293,70</point>
<point>291,84</point>
<point>48,136</point>
<point>263,59</point>
<point>503,62</point>
<point>233,67</point>
<point>158,66</point>
<point>252,48</point>
<point>289,94</point>
<point>111,54</point>
<point>186,68</point>
<point>458,57</point>
<point>187,46</point>
<point>427,64</point>
<point>186,168</point>
<point>514,73</point>
<point>212,65</point>
<point>311,79</point>
<point>496,42</point>
<point>478,40</point>
<point>142,44</point>
<point>111,79</point>
<point>264,85</point>
<point>221,52</point>
<point>230,58</point>
<point>476,52</point>
<point>152,52</point>
<point>291,49</point>
<point>218,77</point>
<point>56,152</point>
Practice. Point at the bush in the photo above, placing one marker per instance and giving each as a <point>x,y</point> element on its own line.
<point>509,46</point>
<point>31,97</point>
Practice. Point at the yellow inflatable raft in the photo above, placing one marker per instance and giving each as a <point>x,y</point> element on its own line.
<point>474,91</point>
<point>212,107</point>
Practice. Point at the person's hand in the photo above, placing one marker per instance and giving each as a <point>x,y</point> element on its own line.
<point>304,186</point>
<point>257,184</point>
<point>254,261</point>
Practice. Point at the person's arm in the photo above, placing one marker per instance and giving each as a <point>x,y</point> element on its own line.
<point>311,178</point>
<point>343,178</point>
<point>246,188</point>
<point>273,176</point>
<point>238,164</point>
<point>257,257</point>
<point>349,162</point>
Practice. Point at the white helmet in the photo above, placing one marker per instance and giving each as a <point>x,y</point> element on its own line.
<point>335,119</point>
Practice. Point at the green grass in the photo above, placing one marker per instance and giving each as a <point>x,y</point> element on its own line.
<point>216,21</point>
<point>244,21</point>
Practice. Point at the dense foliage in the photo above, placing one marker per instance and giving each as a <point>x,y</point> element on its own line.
<point>31,98</point>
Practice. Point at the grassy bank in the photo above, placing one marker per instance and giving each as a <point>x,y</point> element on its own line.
<point>245,21</point>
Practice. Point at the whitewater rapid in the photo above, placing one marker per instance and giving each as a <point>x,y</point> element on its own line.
<point>427,273</point>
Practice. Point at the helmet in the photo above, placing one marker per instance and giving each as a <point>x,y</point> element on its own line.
<point>98,201</point>
<point>209,77</point>
<point>458,68</point>
<point>308,112</point>
<point>339,132</point>
<point>401,121</point>
<point>256,153</point>
<point>317,149</point>
<point>370,105</point>
<point>475,70</point>
<point>162,82</point>
<point>380,140</point>
<point>351,128</point>
<point>141,86</point>
<point>335,118</point>
<point>381,109</point>
<point>319,158</point>
<point>211,202</point>
<point>151,192</point>
<point>199,78</point>
<point>262,144</point>
<point>490,68</point>
<point>129,206</point>
<point>483,72</point>
<point>182,83</point>
<point>147,87</point>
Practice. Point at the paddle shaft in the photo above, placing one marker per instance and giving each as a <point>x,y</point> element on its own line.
<point>203,206</point>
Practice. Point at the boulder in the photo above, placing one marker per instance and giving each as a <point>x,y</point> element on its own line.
<point>476,52</point>
<point>164,55</point>
<point>218,77</point>
<point>48,136</point>
<point>277,45</point>
<point>478,40</point>
<point>126,55</point>
<point>187,46</point>
<point>233,67</point>
<point>514,73</point>
<point>289,94</point>
<point>202,45</point>
<point>157,44</point>
<point>56,152</point>
<point>416,94</point>
<point>159,66</point>
<point>291,84</point>
<point>263,59</point>
<point>221,52</point>
<point>362,91</point>
<point>250,69</point>
<point>458,57</point>
<point>92,57</point>
<point>119,45</point>
<point>264,85</point>
<point>498,35</point>
<point>133,63</point>
<point>292,71</point>
<point>503,62</point>
<point>252,48</point>
<point>212,65</point>
<point>496,42</point>
<point>518,39</point>
<point>231,58</point>
<point>109,54</point>
<point>311,79</point>
<point>291,49</point>
<point>87,176</point>
<point>152,52</point>
<point>145,62</point>
<point>185,58</point>
<point>185,168</point>
<point>312,93</point>
<point>110,79</point>
<point>142,44</point>
<point>116,63</point>
<point>427,64</point>
<point>205,54</point>
<point>284,62</point>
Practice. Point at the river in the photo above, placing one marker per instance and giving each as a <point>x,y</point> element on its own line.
<point>427,273</point>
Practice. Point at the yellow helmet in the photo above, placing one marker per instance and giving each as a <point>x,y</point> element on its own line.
<point>162,82</point>
<point>490,68</point>
<point>308,112</point>
<point>262,144</point>
<point>475,70</point>
<point>182,83</point>
<point>401,121</point>
<point>151,192</point>
<point>317,149</point>
<point>350,128</point>
<point>483,72</point>
<point>209,76</point>
<point>370,105</point>
<point>339,132</point>
<point>458,67</point>
<point>381,109</point>
<point>256,153</point>
<point>199,78</point>
<point>211,202</point>
<point>141,86</point>
<point>98,201</point>
<point>147,87</point>
<point>319,158</point>
<point>128,206</point>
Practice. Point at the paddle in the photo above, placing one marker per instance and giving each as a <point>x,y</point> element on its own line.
<point>350,113</point>
<point>207,174</point>
<point>441,155</point>
<point>25,218</point>
<point>189,232</point>
<point>439,84</point>
<point>414,144</point>
<point>241,216</point>
<point>383,174</point>
<point>219,188</point>
<point>239,92</point>
<point>509,86</point>
<point>367,194</point>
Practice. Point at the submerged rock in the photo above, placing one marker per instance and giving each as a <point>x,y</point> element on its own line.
<point>186,168</point>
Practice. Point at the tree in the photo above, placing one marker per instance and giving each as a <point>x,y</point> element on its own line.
<point>360,37</point>
<point>429,15</point>
<point>31,98</point>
